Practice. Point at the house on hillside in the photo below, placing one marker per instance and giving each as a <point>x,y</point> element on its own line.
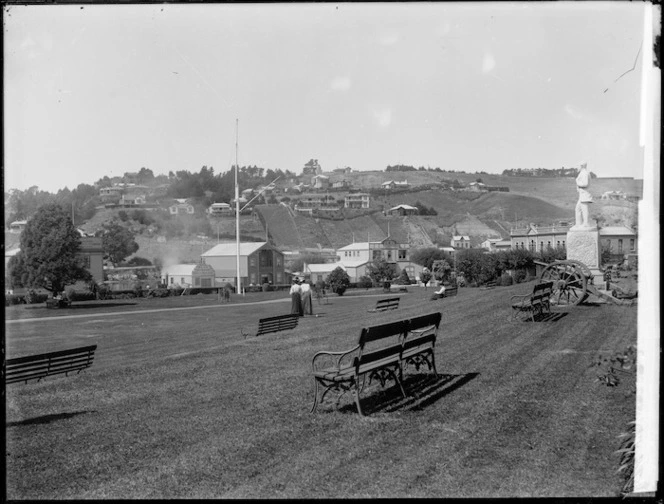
<point>477,187</point>
<point>320,182</point>
<point>496,244</point>
<point>220,210</point>
<point>181,207</point>
<point>403,210</point>
<point>346,170</point>
<point>111,194</point>
<point>341,184</point>
<point>539,238</point>
<point>460,241</point>
<point>395,184</point>
<point>356,200</point>
<point>260,263</point>
<point>323,203</point>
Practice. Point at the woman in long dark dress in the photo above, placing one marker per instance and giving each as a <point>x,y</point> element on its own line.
<point>296,298</point>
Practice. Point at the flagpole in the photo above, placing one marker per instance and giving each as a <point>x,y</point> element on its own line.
<point>237,215</point>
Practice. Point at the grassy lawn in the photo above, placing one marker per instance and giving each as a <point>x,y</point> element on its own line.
<point>179,405</point>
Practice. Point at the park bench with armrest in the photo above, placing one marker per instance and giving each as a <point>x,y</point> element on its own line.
<point>274,324</point>
<point>420,341</point>
<point>450,290</point>
<point>36,367</point>
<point>536,302</point>
<point>488,285</point>
<point>386,304</point>
<point>381,352</point>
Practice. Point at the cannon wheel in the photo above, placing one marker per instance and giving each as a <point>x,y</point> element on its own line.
<point>569,279</point>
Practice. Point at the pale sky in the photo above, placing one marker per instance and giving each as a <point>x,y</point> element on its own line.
<point>105,89</point>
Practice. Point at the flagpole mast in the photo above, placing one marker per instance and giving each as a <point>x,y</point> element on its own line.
<point>237,215</point>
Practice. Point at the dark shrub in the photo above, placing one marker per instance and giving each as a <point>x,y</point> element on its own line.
<point>364,282</point>
<point>519,276</point>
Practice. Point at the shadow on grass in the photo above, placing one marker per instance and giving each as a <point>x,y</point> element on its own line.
<point>46,419</point>
<point>549,317</point>
<point>422,390</point>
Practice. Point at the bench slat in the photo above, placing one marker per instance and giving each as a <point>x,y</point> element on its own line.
<point>23,369</point>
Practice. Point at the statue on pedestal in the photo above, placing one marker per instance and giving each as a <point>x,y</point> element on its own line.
<point>585,198</point>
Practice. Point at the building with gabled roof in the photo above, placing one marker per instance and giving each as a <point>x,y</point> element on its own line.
<point>260,263</point>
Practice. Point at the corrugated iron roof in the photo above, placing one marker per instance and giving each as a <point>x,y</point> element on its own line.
<point>230,249</point>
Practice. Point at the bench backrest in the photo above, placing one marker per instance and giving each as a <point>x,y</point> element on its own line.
<point>278,323</point>
<point>380,343</point>
<point>451,290</point>
<point>542,291</point>
<point>387,304</point>
<point>38,366</point>
<point>422,332</point>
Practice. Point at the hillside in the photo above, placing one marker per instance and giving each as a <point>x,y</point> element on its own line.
<point>479,215</point>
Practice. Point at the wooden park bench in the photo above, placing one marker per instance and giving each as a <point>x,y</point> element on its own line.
<point>382,352</point>
<point>274,324</point>
<point>386,304</point>
<point>58,303</point>
<point>450,290</point>
<point>488,285</point>
<point>536,302</point>
<point>36,367</point>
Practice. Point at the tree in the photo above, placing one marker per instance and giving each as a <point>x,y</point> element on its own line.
<point>404,279</point>
<point>338,281</point>
<point>50,252</point>
<point>380,270</point>
<point>117,241</point>
<point>426,256</point>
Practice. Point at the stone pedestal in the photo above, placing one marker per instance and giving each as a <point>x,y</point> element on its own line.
<point>583,245</point>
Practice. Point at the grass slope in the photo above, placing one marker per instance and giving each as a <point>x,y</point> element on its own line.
<point>179,405</point>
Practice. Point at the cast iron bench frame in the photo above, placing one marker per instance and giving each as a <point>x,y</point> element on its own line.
<point>36,367</point>
<point>274,324</point>
<point>537,301</point>
<point>382,352</point>
<point>386,304</point>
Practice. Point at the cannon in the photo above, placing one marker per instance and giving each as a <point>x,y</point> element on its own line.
<point>572,282</point>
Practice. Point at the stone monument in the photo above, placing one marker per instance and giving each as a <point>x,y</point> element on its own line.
<point>583,242</point>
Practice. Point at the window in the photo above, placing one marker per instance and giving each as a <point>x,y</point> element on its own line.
<point>389,255</point>
<point>558,244</point>
<point>563,243</point>
<point>631,244</point>
<point>402,255</point>
<point>532,245</point>
<point>376,255</point>
<point>181,280</point>
<point>541,245</point>
<point>206,282</point>
<point>620,245</point>
<point>252,278</point>
<point>265,258</point>
<point>252,260</point>
<point>172,280</point>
